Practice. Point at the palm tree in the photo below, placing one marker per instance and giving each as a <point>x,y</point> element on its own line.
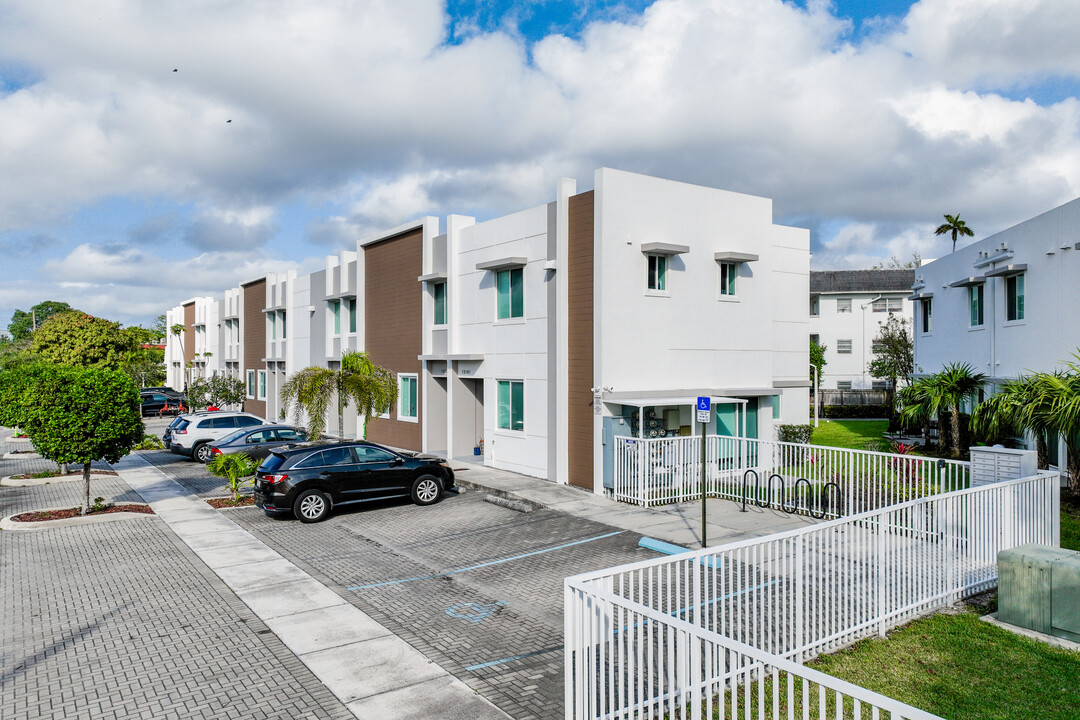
<point>944,392</point>
<point>1017,406</point>
<point>914,403</point>
<point>1059,410</point>
<point>953,224</point>
<point>310,392</point>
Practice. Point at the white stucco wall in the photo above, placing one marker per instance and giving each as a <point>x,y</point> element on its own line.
<point>860,327</point>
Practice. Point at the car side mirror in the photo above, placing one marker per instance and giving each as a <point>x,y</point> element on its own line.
<point>397,461</point>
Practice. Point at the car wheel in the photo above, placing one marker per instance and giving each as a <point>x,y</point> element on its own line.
<point>202,453</point>
<point>426,490</point>
<point>311,506</point>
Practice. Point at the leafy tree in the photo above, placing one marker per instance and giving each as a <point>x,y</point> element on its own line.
<point>158,329</point>
<point>894,354</point>
<point>1058,409</point>
<point>73,338</point>
<point>216,390</point>
<point>894,263</point>
<point>817,359</point>
<point>23,324</point>
<point>954,225</point>
<point>310,392</point>
<point>235,468</point>
<point>73,415</point>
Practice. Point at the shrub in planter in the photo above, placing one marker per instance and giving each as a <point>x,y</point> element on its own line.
<point>794,433</point>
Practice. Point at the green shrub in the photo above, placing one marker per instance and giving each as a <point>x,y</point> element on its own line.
<point>877,412</point>
<point>795,433</point>
<point>149,442</point>
<point>236,469</point>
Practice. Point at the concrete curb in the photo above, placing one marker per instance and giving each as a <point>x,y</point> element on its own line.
<point>8,524</point>
<point>1033,634</point>
<point>11,481</point>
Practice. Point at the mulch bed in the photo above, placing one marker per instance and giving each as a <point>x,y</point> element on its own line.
<point>57,473</point>
<point>67,513</point>
<point>218,503</point>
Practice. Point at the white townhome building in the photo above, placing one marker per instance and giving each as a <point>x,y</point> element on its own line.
<point>847,308</point>
<point>527,341</point>
<point>1007,305</point>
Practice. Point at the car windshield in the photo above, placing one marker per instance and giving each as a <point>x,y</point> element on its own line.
<point>232,437</point>
<point>182,424</point>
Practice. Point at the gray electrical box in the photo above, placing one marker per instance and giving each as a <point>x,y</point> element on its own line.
<point>1039,589</point>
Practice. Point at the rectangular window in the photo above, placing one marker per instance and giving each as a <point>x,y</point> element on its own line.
<point>351,304</point>
<point>815,305</point>
<point>511,405</point>
<point>283,335</point>
<point>843,347</point>
<point>407,398</point>
<point>776,407</point>
<point>888,305</point>
<point>815,339</point>
<point>877,346</point>
<point>879,385</point>
<point>251,384</point>
<point>509,285</point>
<point>728,273</point>
<point>1014,297</point>
<point>927,314</point>
<point>273,325</point>
<point>975,300</point>
<point>438,292</point>
<point>262,384</point>
<point>843,305</point>
<point>335,310</point>
<point>843,384</point>
<point>657,272</point>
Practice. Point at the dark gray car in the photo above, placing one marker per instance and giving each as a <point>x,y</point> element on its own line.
<point>257,442</point>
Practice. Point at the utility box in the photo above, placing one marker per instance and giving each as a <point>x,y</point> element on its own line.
<point>998,464</point>
<point>1039,589</point>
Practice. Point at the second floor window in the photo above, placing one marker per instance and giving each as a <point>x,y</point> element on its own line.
<point>657,279</point>
<point>843,305</point>
<point>273,325</point>
<point>975,301</point>
<point>888,305</point>
<point>927,314</point>
<point>1014,297</point>
<point>509,286</point>
<point>335,310</point>
<point>728,273</point>
<point>351,305</point>
<point>843,347</point>
<point>438,292</point>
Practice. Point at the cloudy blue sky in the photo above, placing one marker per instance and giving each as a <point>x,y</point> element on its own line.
<point>125,188</point>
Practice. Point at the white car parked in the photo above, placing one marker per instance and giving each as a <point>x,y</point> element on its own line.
<point>195,433</point>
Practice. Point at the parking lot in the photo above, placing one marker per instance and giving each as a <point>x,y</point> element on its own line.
<point>474,586</point>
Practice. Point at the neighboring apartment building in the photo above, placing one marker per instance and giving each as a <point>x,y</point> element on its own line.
<point>534,337</point>
<point>847,308</point>
<point>1007,305</point>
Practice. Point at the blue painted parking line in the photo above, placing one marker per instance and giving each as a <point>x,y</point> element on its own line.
<point>489,563</point>
<point>512,658</point>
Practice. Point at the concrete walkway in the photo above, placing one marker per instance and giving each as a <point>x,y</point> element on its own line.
<point>371,670</point>
<point>678,523</point>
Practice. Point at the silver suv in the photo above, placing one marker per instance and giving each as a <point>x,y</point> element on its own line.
<point>194,435</point>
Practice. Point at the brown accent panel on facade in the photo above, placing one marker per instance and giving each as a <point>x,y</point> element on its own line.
<point>579,280</point>
<point>393,325</point>
<point>254,340</point>
<point>189,334</point>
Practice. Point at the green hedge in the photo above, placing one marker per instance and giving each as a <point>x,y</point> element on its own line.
<point>794,433</point>
<point>855,411</point>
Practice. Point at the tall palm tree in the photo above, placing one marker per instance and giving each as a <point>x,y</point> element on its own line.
<point>914,403</point>
<point>953,224</point>
<point>359,381</point>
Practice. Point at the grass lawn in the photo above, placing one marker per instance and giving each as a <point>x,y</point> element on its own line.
<point>848,433</point>
<point>961,668</point>
<point>1070,520</point>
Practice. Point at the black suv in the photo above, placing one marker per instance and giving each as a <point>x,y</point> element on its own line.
<point>309,479</point>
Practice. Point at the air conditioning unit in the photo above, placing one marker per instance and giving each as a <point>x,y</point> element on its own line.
<point>1039,589</point>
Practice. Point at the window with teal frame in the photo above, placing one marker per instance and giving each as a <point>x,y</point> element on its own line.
<point>657,273</point>
<point>273,325</point>
<point>335,308</point>
<point>407,397</point>
<point>776,407</point>
<point>509,284</point>
<point>975,297</point>
<point>438,292</point>
<point>728,273</point>
<point>1014,297</point>
<point>511,405</point>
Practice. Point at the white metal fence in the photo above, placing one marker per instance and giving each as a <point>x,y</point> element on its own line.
<point>725,627</point>
<point>798,478</point>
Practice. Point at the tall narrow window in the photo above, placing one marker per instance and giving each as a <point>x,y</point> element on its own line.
<point>657,272</point>
<point>511,405</point>
<point>728,272</point>
<point>1014,297</point>
<point>283,335</point>
<point>815,305</point>
<point>975,300</point>
<point>509,285</point>
<point>273,325</point>
<point>927,314</point>
<point>407,397</point>
<point>351,302</point>
<point>438,291</point>
<point>251,384</point>
<point>335,310</point>
<point>262,384</point>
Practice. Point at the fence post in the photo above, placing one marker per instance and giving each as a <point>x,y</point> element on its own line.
<point>880,556</point>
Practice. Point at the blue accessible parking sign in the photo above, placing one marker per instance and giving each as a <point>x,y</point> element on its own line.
<point>704,409</point>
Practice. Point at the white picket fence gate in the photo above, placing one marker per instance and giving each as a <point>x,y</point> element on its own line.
<point>799,478</point>
<point>721,631</point>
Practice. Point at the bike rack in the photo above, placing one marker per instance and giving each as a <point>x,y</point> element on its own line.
<point>794,506</point>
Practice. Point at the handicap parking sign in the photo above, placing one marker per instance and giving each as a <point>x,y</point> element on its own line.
<point>704,408</point>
